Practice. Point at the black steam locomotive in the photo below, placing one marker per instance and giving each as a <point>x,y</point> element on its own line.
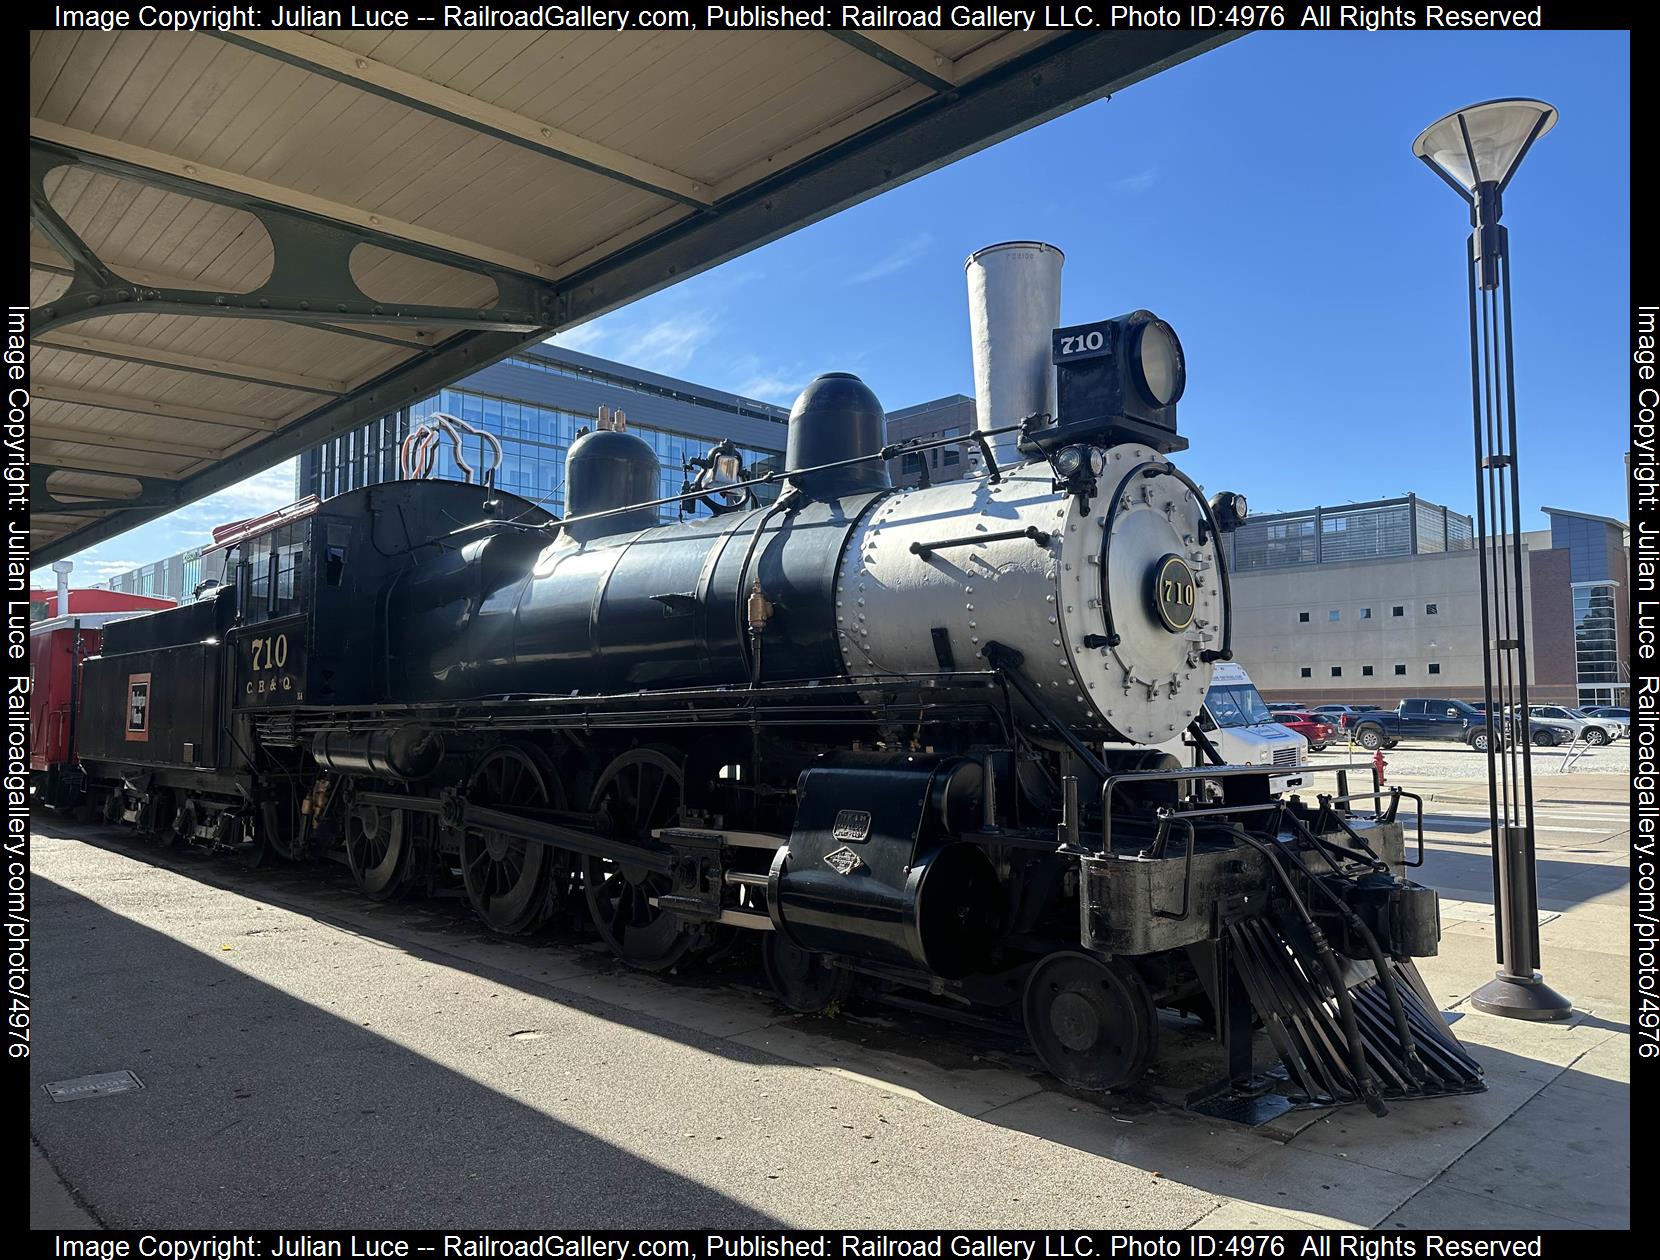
<point>940,738</point>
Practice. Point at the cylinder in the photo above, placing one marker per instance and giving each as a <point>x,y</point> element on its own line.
<point>836,418</point>
<point>604,471</point>
<point>887,881</point>
<point>1014,304</point>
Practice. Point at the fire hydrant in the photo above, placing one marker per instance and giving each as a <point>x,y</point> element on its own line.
<point>1378,764</point>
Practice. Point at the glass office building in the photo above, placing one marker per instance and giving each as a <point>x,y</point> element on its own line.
<point>535,404</point>
<point>1597,564</point>
<point>1407,526</point>
<point>175,577</point>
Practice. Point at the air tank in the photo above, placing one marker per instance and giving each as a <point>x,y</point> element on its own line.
<point>837,417</point>
<point>607,470</point>
<point>1014,305</point>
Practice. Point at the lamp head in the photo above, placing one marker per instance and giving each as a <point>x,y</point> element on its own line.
<point>1483,144</point>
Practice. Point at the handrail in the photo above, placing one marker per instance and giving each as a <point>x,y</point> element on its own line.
<point>1112,782</point>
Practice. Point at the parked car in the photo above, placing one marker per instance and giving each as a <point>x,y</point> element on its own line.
<point>1342,715</point>
<point>1288,708</point>
<point>1423,718</point>
<point>1550,724</point>
<point>1611,712</point>
<point>1311,726</point>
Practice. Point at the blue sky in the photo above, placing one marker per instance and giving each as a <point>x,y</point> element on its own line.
<point>1262,198</point>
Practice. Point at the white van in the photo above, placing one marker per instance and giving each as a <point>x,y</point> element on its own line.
<point>1242,728</point>
<point>1235,719</point>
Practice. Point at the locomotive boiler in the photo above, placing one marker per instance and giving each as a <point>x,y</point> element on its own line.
<point>938,739</point>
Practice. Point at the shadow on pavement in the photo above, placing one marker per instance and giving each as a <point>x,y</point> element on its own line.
<point>1467,874</point>
<point>262,1110</point>
<point>1360,1175</point>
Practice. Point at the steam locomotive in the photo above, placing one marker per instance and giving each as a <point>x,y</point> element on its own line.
<point>937,739</point>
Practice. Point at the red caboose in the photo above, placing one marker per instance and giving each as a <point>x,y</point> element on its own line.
<point>59,640</point>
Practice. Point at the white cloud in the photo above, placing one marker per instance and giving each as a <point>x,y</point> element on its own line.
<point>667,343</point>
<point>1140,182</point>
<point>774,387</point>
<point>264,492</point>
<point>585,338</point>
<point>670,344</point>
<point>99,570</point>
<point>902,255</point>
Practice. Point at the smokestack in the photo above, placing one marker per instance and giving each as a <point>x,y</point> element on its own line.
<point>62,568</point>
<point>1014,304</point>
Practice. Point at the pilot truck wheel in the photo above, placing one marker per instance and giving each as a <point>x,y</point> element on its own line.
<point>1369,738</point>
<point>804,982</point>
<point>1092,1022</point>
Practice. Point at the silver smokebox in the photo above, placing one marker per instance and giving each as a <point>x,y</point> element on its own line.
<point>1014,304</point>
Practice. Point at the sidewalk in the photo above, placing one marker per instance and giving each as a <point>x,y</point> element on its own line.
<point>337,1062</point>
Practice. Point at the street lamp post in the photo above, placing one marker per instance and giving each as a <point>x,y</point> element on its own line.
<point>1476,152</point>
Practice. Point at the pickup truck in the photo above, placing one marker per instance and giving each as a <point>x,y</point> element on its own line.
<point>1422,718</point>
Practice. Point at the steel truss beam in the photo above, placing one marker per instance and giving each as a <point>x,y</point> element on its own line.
<point>40,261</point>
<point>156,495</point>
<point>1054,78</point>
<point>910,56</point>
<point>311,280</point>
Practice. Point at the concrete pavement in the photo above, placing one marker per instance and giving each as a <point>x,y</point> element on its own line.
<point>308,1057</point>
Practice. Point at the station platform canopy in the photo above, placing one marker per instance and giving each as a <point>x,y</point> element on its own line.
<point>244,243</point>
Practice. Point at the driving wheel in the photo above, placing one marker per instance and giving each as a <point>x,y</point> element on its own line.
<point>509,881</point>
<point>636,794</point>
<point>377,850</point>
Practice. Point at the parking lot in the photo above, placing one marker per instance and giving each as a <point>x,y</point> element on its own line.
<point>308,1057</point>
<point>1413,761</point>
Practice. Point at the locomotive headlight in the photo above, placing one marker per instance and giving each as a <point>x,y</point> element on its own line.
<point>1080,460</point>
<point>1156,357</point>
<point>1229,509</point>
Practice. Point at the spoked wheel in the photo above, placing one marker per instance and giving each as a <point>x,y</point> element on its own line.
<point>803,981</point>
<point>377,850</point>
<point>1543,739</point>
<point>1091,1022</point>
<point>1596,737</point>
<point>509,881</point>
<point>637,793</point>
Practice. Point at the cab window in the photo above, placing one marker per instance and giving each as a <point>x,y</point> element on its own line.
<point>275,565</point>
